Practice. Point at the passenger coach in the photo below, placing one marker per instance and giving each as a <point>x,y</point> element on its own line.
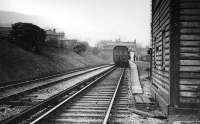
<point>121,56</point>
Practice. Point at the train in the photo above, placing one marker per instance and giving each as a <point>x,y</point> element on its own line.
<point>121,56</point>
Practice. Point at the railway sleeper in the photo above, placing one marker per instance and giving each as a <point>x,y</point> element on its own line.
<point>86,110</point>
<point>78,117</point>
<point>89,107</point>
<point>71,121</point>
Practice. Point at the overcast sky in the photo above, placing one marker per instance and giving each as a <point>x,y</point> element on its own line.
<point>91,20</point>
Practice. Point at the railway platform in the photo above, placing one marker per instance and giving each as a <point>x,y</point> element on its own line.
<point>134,78</point>
<point>143,102</point>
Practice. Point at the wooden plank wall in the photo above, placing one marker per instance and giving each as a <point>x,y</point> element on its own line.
<point>189,83</point>
<point>160,50</point>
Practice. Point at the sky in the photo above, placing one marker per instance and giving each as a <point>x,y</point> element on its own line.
<point>91,20</point>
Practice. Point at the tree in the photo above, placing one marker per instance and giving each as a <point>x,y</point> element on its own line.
<point>80,47</point>
<point>28,36</point>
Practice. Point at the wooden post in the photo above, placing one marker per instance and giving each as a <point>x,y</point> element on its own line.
<point>174,53</point>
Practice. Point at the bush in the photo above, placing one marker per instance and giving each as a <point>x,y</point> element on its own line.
<point>28,36</point>
<point>79,47</point>
<point>95,51</point>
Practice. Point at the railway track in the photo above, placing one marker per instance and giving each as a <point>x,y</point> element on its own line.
<point>120,112</point>
<point>103,98</point>
<point>21,87</point>
<point>4,85</point>
<point>103,101</point>
<point>26,102</point>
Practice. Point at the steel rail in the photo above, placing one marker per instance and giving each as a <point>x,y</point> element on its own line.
<point>69,98</point>
<point>113,98</point>
<point>51,101</point>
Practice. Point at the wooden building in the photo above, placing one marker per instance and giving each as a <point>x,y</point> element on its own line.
<point>175,65</point>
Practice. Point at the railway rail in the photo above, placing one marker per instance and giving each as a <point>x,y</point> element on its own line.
<point>29,101</point>
<point>97,102</point>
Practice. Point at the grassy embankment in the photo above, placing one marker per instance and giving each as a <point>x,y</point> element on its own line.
<point>18,64</point>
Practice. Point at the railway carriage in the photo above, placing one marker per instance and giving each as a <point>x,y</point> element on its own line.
<point>175,63</point>
<point>121,56</point>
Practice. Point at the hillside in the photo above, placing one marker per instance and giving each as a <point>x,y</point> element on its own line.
<point>8,18</point>
<point>17,64</point>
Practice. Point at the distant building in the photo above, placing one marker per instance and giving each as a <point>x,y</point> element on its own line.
<point>69,43</point>
<point>109,44</point>
<point>53,35</point>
